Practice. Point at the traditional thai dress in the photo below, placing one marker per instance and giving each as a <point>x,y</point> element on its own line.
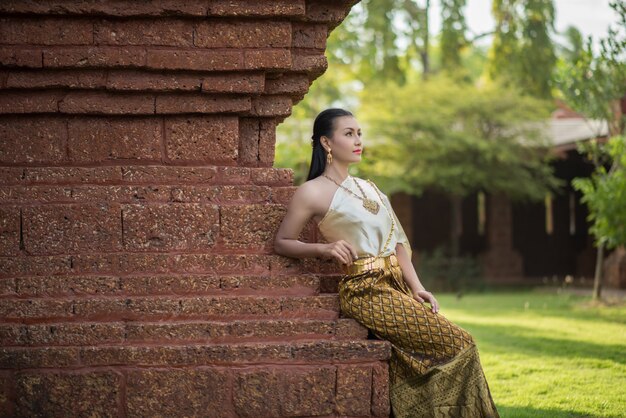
<point>434,368</point>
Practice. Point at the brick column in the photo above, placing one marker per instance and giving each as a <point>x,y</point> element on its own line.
<point>138,206</point>
<point>501,262</point>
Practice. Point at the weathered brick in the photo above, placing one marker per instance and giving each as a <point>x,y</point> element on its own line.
<point>127,308</point>
<point>291,84</point>
<point>380,390</point>
<point>200,103</point>
<point>310,35</point>
<point>221,264</point>
<point>267,141</point>
<point>233,175</point>
<point>354,387</point>
<point>34,308</point>
<point>309,391</point>
<point>21,57</point>
<point>286,265</point>
<point>105,139</point>
<point>165,32</point>
<point>165,174</point>
<point>120,8</point>
<point>312,64</point>
<point>169,284</point>
<point>144,81</point>
<point>257,393</point>
<point>272,176</point>
<point>170,392</point>
<point>11,175</point>
<point>283,195</point>
<point>303,284</point>
<point>56,229</point>
<point>13,334</point>
<point>29,102</point>
<point>271,106</point>
<point>20,266</point>
<point>341,350</point>
<point>326,11</point>
<point>202,138</point>
<point>145,263</point>
<point>324,306</point>
<point>27,358</point>
<point>72,174</point>
<point>266,8</point>
<point>8,286</point>
<point>249,141</point>
<point>202,354</point>
<point>233,83</point>
<point>68,394</point>
<point>216,306</point>
<point>203,60</point>
<point>233,194</point>
<point>94,56</point>
<point>46,31</point>
<point>123,194</point>
<point>107,103</point>
<point>74,334</point>
<point>67,285</point>
<point>40,194</point>
<point>170,227</point>
<point>267,59</point>
<point>9,231</point>
<point>220,331</point>
<point>347,328</point>
<point>249,226</point>
<point>32,140</point>
<point>81,79</point>
<point>261,34</point>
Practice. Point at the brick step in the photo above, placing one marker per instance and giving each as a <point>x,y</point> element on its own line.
<point>320,389</point>
<point>178,332</point>
<point>153,285</point>
<point>174,355</point>
<point>108,309</point>
<point>147,175</point>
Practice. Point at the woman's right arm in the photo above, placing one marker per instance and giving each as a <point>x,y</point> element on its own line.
<point>300,210</point>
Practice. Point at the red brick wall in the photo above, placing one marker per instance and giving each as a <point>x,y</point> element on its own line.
<point>138,206</point>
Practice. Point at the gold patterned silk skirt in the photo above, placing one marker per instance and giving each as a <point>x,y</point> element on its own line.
<point>434,369</point>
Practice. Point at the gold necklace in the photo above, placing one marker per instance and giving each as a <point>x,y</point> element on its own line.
<point>370,205</point>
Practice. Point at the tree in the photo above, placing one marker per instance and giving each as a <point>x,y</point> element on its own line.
<point>457,138</point>
<point>453,28</point>
<point>595,85</point>
<point>522,51</point>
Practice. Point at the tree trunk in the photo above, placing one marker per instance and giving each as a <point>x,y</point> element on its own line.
<point>456,225</point>
<point>597,279</point>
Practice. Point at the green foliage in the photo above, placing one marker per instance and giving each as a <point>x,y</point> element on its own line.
<point>453,29</point>
<point>456,137</point>
<point>522,52</point>
<point>594,85</point>
<point>440,272</point>
<point>604,192</point>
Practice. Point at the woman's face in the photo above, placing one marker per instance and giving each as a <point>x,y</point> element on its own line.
<point>346,142</point>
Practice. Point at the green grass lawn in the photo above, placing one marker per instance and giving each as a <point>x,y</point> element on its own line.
<point>547,354</point>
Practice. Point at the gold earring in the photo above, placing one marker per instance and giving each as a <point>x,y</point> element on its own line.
<point>329,157</point>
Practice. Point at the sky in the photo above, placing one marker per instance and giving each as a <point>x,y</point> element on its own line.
<point>591,17</point>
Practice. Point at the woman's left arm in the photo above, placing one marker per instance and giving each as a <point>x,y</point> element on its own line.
<point>410,277</point>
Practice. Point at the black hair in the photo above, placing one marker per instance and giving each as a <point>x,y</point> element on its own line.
<point>324,125</point>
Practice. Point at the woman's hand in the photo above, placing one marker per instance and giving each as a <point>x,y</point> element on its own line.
<point>340,250</point>
<point>425,296</point>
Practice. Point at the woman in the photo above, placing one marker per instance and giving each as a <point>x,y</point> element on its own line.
<point>434,368</point>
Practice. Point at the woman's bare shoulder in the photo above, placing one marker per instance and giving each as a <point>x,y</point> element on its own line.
<point>309,191</point>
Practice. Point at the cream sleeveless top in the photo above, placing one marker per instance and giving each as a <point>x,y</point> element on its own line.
<point>347,219</point>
